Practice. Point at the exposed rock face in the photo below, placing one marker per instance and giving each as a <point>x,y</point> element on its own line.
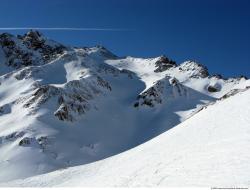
<point>30,49</point>
<point>164,64</point>
<point>26,141</point>
<point>162,90</point>
<point>63,113</point>
<point>195,70</point>
<point>212,89</point>
<point>12,137</point>
<point>39,142</point>
<point>73,98</point>
<point>103,83</point>
<point>49,49</point>
<point>152,96</point>
<point>16,53</point>
<point>41,95</point>
<point>33,40</point>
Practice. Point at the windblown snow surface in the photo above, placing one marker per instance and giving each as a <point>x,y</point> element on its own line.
<point>66,107</point>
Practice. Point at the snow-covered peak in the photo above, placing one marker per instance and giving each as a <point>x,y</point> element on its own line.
<point>194,69</point>
<point>98,52</point>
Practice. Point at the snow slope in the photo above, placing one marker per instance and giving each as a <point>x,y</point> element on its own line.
<point>62,106</point>
<point>209,149</point>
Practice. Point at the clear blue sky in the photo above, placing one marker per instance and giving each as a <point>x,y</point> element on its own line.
<point>215,33</point>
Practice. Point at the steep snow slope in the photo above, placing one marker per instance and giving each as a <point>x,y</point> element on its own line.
<point>62,106</point>
<point>209,149</point>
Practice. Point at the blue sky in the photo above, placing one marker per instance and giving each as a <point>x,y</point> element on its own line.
<point>215,33</point>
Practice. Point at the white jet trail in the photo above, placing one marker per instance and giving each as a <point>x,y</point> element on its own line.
<point>64,29</point>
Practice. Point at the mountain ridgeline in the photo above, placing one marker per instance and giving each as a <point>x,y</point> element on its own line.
<point>63,106</point>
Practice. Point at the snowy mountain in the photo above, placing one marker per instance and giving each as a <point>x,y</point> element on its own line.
<point>62,106</point>
<point>210,149</point>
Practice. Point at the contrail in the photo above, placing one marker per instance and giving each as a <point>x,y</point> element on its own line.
<point>65,29</point>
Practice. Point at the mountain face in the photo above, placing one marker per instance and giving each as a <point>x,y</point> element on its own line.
<point>209,149</point>
<point>62,106</point>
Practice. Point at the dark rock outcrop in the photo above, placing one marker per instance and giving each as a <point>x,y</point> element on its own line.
<point>162,90</point>
<point>30,49</point>
<point>73,98</point>
<point>212,89</point>
<point>164,64</point>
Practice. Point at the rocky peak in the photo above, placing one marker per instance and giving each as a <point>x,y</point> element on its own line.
<point>48,48</point>
<point>33,34</point>
<point>16,53</point>
<point>194,69</point>
<point>34,39</point>
<point>30,49</point>
<point>163,63</point>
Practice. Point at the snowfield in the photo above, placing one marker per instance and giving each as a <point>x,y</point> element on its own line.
<point>209,149</point>
<point>63,107</point>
